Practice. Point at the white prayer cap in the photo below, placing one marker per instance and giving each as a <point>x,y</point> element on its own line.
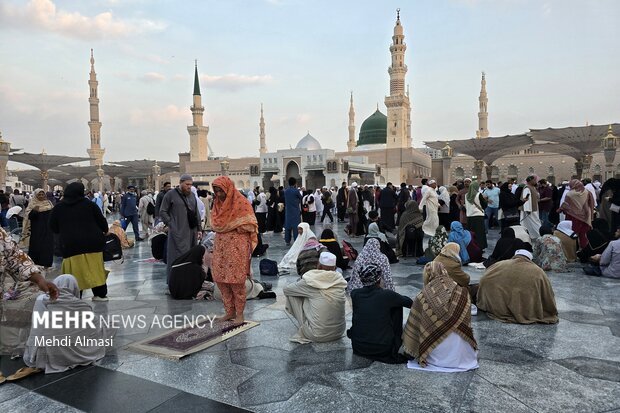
<point>524,253</point>
<point>432,181</point>
<point>467,179</point>
<point>327,259</point>
<point>354,185</point>
<point>13,211</point>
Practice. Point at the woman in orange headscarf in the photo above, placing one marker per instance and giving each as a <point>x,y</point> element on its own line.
<point>236,236</point>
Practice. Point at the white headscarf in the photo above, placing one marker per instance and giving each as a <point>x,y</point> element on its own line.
<point>566,227</point>
<point>201,205</point>
<point>290,259</point>
<point>444,195</point>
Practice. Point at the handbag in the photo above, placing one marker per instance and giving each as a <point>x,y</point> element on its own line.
<point>192,220</point>
<point>268,267</point>
<point>511,213</point>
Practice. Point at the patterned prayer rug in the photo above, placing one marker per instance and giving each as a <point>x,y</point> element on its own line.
<point>181,342</point>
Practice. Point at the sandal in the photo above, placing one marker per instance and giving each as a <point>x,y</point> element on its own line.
<point>23,372</point>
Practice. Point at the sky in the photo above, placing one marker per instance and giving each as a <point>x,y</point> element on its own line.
<point>548,64</point>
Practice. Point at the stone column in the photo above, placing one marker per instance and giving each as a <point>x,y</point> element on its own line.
<point>44,178</point>
<point>5,148</point>
<point>478,165</point>
<point>610,146</point>
<point>587,163</point>
<point>224,167</point>
<point>579,169</point>
<point>489,170</point>
<point>100,174</point>
<point>156,176</point>
<point>446,162</point>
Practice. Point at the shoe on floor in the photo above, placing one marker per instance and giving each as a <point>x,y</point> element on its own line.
<point>474,309</point>
<point>101,299</point>
<point>22,373</point>
<point>139,239</point>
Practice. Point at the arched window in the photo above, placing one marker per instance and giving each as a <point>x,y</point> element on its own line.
<point>459,173</point>
<point>513,171</point>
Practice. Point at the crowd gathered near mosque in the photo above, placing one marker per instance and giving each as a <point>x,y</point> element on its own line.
<point>208,239</point>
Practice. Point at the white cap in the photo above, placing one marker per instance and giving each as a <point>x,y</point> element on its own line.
<point>354,185</point>
<point>327,259</point>
<point>432,181</point>
<point>524,253</point>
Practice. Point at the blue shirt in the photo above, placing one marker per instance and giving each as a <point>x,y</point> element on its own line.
<point>492,196</point>
<point>292,207</point>
<point>129,204</point>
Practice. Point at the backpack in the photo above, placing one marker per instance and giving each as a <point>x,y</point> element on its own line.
<point>150,208</point>
<point>268,267</point>
<point>349,251</point>
<point>112,250</point>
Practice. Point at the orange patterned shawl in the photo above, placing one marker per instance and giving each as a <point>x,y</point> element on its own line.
<point>235,213</point>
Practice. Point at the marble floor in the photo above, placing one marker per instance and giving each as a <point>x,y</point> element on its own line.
<point>573,366</point>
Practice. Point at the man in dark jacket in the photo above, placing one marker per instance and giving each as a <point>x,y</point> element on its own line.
<point>129,211</point>
<point>387,204</point>
<point>377,325</point>
<point>403,197</point>
<point>160,197</point>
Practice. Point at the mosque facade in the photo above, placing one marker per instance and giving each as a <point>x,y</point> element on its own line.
<point>381,153</point>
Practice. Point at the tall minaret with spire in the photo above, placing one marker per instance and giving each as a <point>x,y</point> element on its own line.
<point>261,124</point>
<point>483,115</point>
<point>95,151</point>
<point>351,142</point>
<point>398,106</point>
<point>198,146</point>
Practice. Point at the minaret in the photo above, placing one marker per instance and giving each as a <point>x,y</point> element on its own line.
<point>398,106</point>
<point>263,145</point>
<point>483,115</point>
<point>95,150</point>
<point>351,143</point>
<point>198,147</point>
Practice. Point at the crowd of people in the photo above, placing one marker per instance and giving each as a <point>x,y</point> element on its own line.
<point>443,228</point>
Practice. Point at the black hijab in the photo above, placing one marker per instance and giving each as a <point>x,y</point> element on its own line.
<point>506,245</point>
<point>599,235</point>
<point>74,192</point>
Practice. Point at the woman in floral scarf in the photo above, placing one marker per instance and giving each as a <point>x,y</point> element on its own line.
<point>371,254</point>
<point>236,229</point>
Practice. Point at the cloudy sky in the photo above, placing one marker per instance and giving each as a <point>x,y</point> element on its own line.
<point>548,64</point>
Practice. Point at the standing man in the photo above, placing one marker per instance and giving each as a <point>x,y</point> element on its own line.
<point>292,211</point>
<point>546,201</point>
<point>341,200</point>
<point>387,204</point>
<point>352,205</point>
<point>160,197</point>
<point>146,209</point>
<point>403,197</point>
<point>529,216</point>
<point>179,211</point>
<point>491,194</point>
<point>129,211</point>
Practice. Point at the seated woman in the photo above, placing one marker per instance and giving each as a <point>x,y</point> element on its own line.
<point>371,254</point>
<point>20,278</point>
<point>329,241</point>
<point>548,253</point>
<point>598,239</point>
<point>118,230</point>
<point>289,261</point>
<point>567,236</point>
<point>438,333</point>
<point>450,259</point>
<point>517,291</point>
<point>187,274</point>
<point>56,359</point>
<point>608,263</point>
<point>410,233</point>
<point>373,232</point>
<point>436,243</point>
<point>308,258</point>
<point>504,248</point>
<point>521,233</point>
<point>466,243</point>
<point>377,325</point>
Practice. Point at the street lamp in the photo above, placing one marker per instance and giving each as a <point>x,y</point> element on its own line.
<point>610,145</point>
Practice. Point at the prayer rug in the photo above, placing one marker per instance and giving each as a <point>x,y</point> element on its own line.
<point>181,342</point>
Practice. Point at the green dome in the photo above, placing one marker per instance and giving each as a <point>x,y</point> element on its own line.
<point>373,130</point>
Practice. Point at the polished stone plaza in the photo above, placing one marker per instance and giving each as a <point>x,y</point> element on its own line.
<point>571,366</point>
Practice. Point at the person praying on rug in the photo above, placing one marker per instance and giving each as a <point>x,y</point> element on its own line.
<point>289,261</point>
<point>57,359</point>
<point>377,325</point>
<point>236,236</point>
<point>438,333</point>
<point>317,302</point>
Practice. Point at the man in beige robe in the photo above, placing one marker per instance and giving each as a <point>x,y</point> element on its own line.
<point>317,302</point>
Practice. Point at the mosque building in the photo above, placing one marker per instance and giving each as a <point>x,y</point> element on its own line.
<point>382,153</point>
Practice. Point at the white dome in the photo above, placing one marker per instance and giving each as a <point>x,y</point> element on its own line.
<point>308,142</point>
